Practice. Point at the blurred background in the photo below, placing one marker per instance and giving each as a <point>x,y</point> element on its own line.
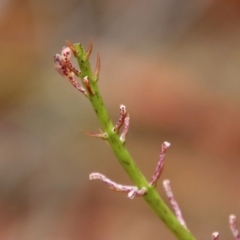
<point>174,64</point>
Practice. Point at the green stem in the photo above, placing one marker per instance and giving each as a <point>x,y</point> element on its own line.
<point>152,197</point>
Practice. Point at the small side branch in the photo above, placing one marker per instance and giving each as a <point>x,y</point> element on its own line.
<point>132,191</point>
<point>160,164</point>
<point>101,135</point>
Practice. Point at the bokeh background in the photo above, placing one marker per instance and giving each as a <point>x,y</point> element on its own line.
<point>174,64</point>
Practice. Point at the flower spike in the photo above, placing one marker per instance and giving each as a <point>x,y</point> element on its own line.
<point>160,164</point>
<point>132,191</point>
<point>215,236</point>
<point>233,226</point>
<point>175,206</point>
<point>123,114</point>
<point>115,135</point>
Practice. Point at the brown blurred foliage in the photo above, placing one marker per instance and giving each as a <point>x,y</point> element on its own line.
<point>174,64</point>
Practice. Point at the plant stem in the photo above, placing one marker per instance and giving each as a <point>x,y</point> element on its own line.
<point>151,197</point>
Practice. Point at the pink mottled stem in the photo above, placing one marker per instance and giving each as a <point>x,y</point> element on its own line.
<point>131,190</point>
<point>125,129</point>
<point>233,226</point>
<point>215,236</point>
<point>173,202</point>
<point>160,164</point>
<point>123,114</point>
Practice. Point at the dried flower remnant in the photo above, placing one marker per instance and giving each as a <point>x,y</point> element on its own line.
<point>132,191</point>
<point>160,164</point>
<point>173,202</point>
